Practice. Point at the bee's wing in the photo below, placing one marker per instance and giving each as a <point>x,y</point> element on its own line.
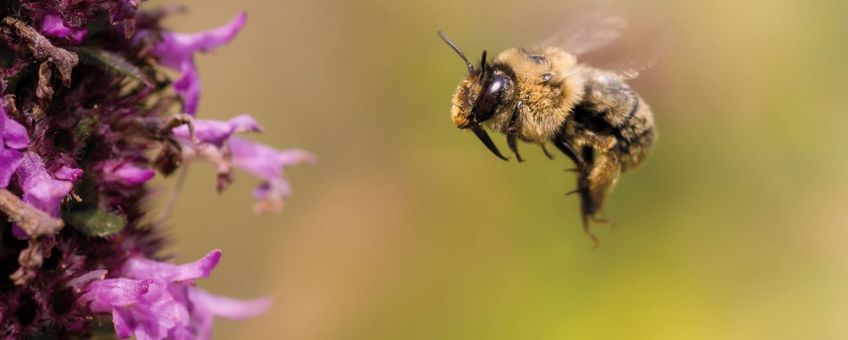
<point>631,68</point>
<point>593,33</point>
<point>608,42</point>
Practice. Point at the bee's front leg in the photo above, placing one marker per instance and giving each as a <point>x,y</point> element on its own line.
<point>512,142</point>
<point>512,130</point>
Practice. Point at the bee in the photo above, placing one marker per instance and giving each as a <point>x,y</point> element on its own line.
<point>545,95</point>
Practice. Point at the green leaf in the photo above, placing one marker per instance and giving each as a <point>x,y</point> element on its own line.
<point>112,61</point>
<point>96,222</point>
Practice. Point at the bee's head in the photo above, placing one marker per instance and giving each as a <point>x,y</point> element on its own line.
<point>480,96</point>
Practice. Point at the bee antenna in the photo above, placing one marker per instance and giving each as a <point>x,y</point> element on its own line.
<point>483,63</point>
<point>457,50</point>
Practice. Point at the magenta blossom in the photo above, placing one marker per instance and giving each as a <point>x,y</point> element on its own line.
<point>124,173</point>
<point>268,164</point>
<point>41,189</point>
<point>52,25</point>
<point>156,300</point>
<point>214,141</point>
<point>87,119</point>
<point>176,50</point>
<point>13,137</point>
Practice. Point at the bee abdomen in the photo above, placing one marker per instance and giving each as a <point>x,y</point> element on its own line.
<point>611,108</point>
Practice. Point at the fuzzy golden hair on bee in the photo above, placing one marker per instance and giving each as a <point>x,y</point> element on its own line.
<point>545,95</point>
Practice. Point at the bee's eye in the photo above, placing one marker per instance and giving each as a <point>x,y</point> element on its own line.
<point>490,99</point>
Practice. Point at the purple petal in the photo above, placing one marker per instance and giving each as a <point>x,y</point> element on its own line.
<point>163,310</point>
<point>229,308</point>
<point>79,35</point>
<point>121,318</point>
<point>9,162</point>
<point>68,173</point>
<point>104,295</point>
<point>142,268</point>
<point>264,161</point>
<point>143,308</point>
<point>124,173</point>
<point>40,189</point>
<point>207,306</point>
<point>82,281</point>
<point>216,132</point>
<point>188,87</point>
<point>176,50</point>
<point>52,25</point>
<point>12,133</point>
<point>268,163</point>
<point>159,300</point>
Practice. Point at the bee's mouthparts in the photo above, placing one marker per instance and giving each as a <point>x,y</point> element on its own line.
<point>487,141</point>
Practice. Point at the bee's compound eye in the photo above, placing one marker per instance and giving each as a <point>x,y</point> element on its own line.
<point>497,86</point>
<point>490,99</point>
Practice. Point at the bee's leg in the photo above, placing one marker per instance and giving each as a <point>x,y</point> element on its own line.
<point>569,151</point>
<point>512,128</point>
<point>593,184</point>
<point>547,154</point>
<point>514,123</point>
<point>511,141</point>
<point>604,220</point>
<point>588,231</point>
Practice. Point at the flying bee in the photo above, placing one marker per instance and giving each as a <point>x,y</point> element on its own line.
<point>544,95</point>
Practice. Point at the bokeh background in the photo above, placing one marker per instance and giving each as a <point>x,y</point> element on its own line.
<point>409,229</point>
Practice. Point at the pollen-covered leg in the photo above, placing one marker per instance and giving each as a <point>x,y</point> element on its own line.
<point>593,183</point>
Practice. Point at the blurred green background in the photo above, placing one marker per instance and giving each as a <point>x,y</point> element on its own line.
<point>408,228</point>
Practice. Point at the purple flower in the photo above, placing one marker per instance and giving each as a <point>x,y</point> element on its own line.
<point>42,190</point>
<point>176,50</point>
<point>52,25</point>
<point>268,163</point>
<point>124,173</point>
<point>156,300</point>
<point>91,120</point>
<point>10,160</point>
<point>214,141</point>
<point>13,137</point>
<point>217,132</point>
<point>12,133</point>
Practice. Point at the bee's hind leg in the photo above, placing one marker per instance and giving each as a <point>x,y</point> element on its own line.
<point>587,229</point>
<point>569,151</point>
<point>603,220</point>
<point>593,184</point>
